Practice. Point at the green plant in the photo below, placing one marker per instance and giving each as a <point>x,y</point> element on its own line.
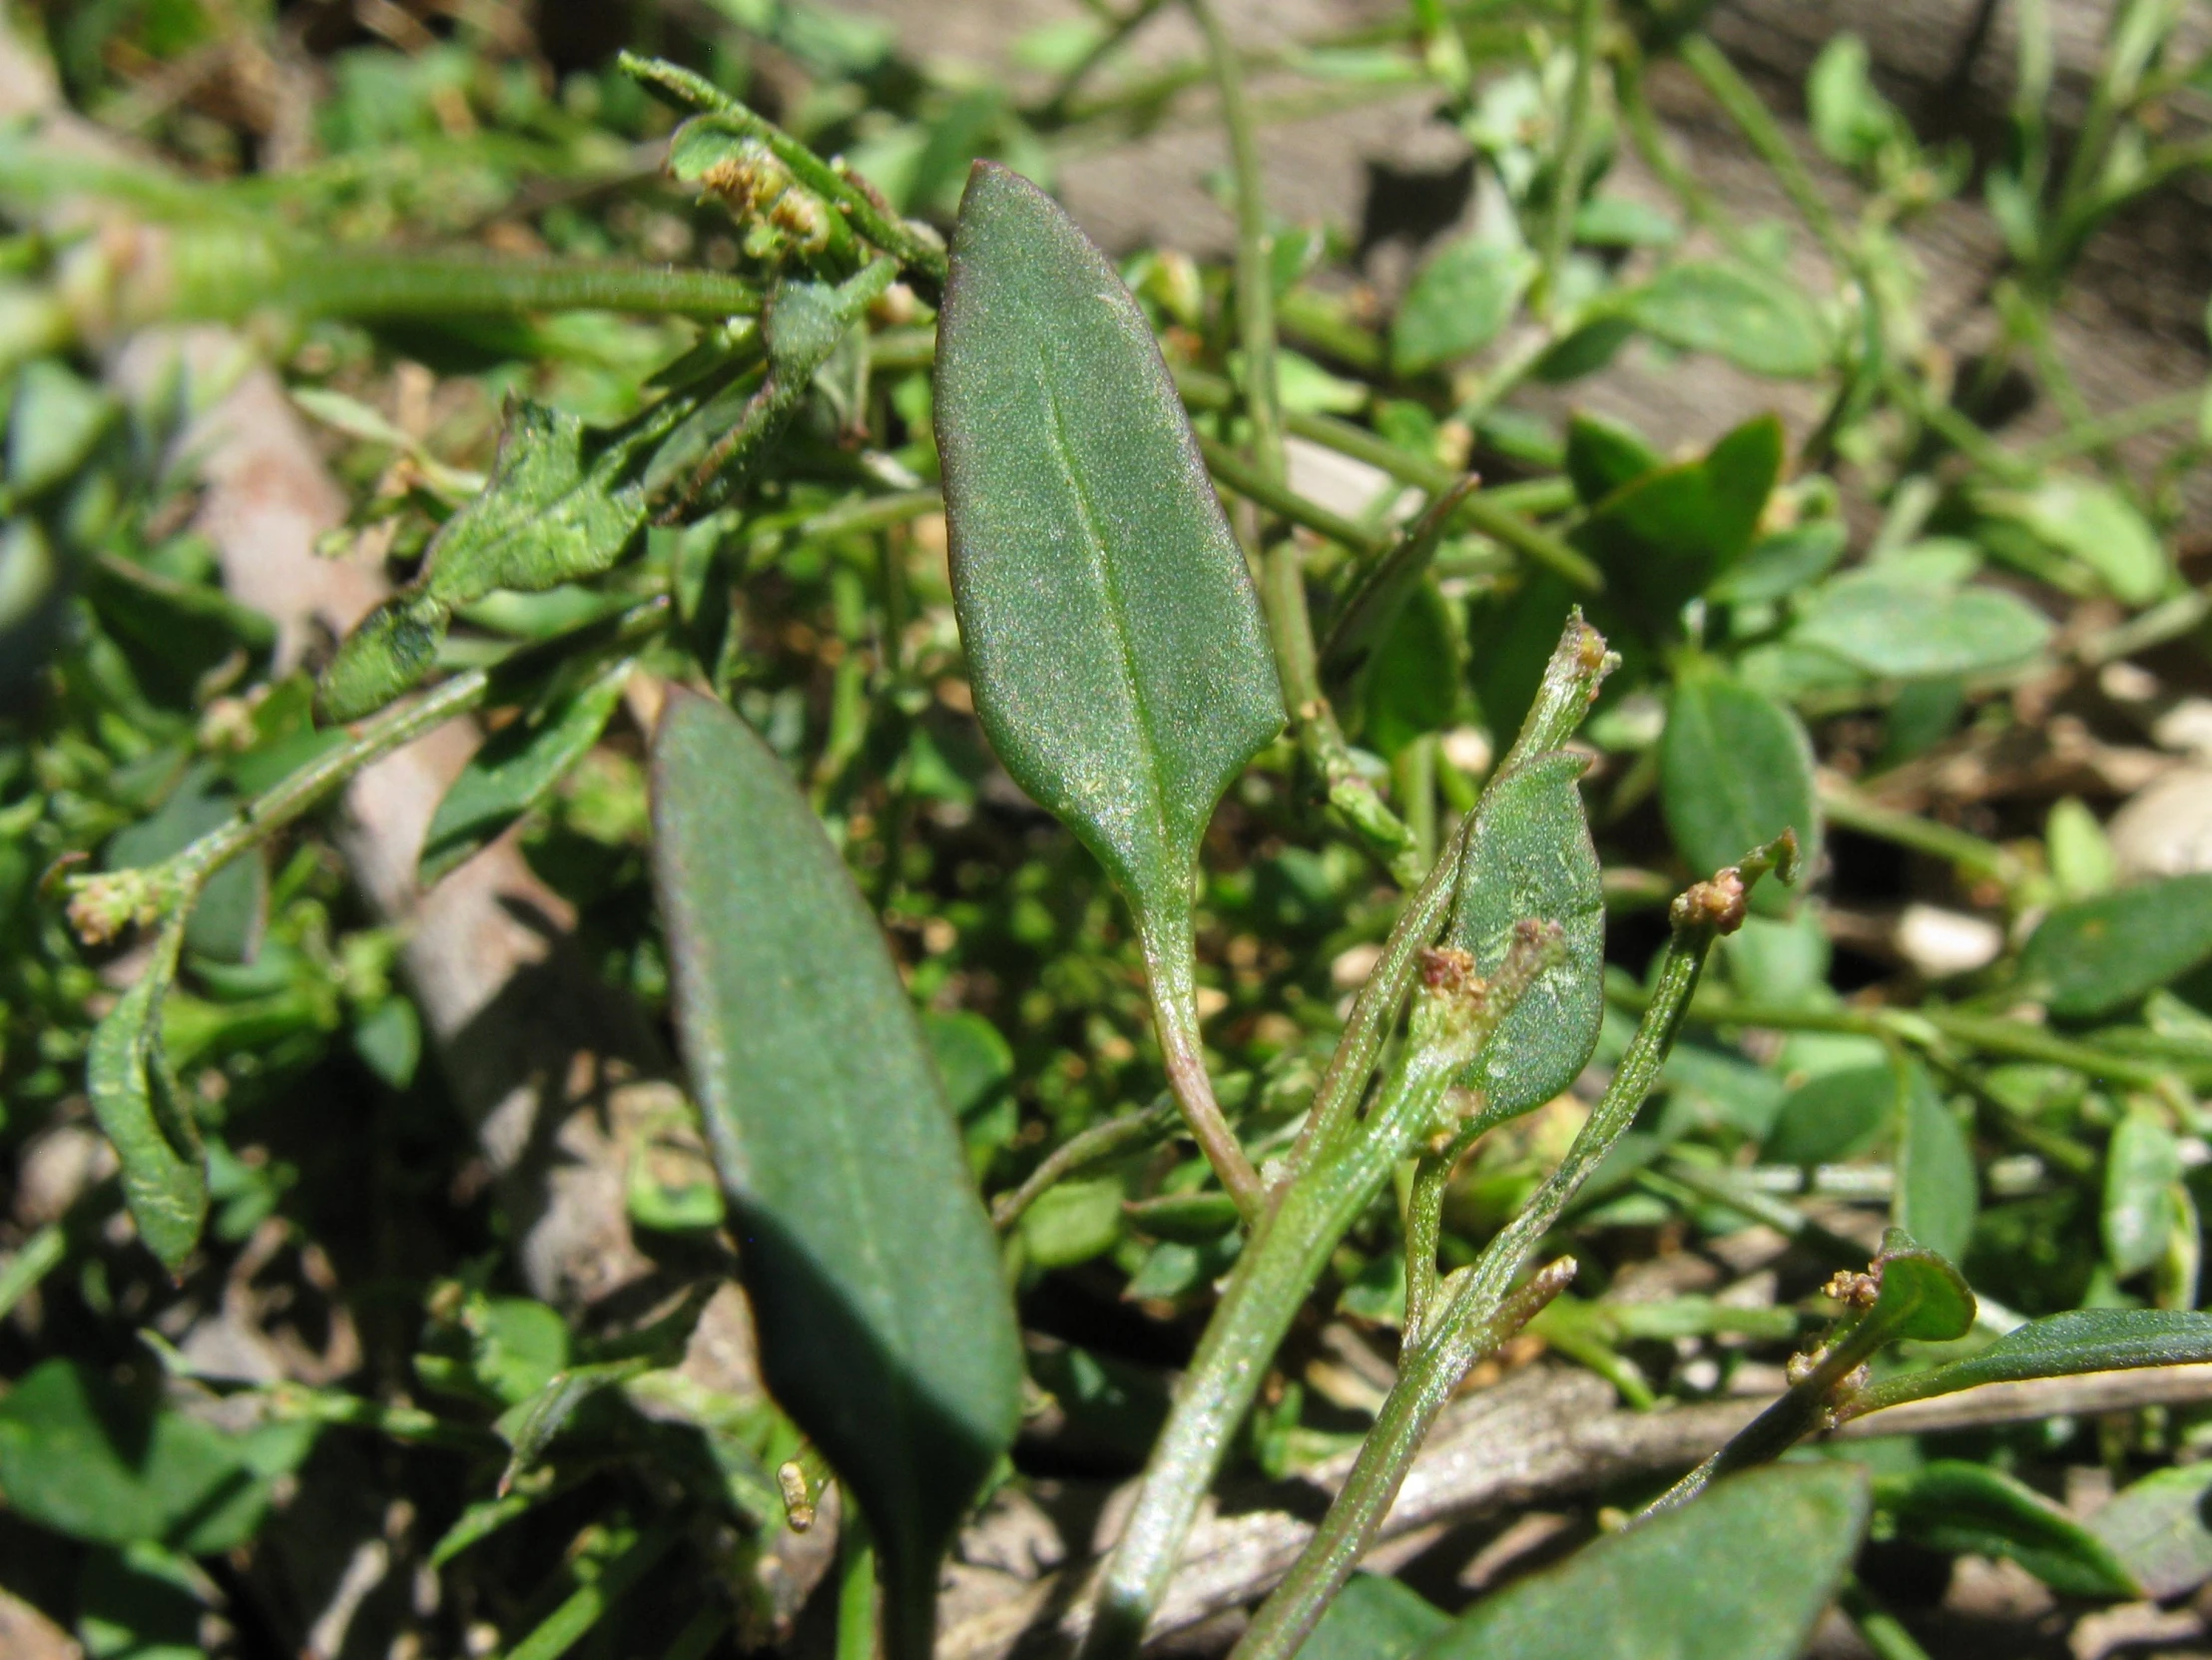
<point>673,543</point>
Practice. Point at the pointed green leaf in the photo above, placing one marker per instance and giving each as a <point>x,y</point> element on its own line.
<point>1954,1507</point>
<point>1757,320</point>
<point>1665,537</point>
<point>517,767</point>
<point>886,1329</point>
<point>2141,1167</point>
<point>1603,455</point>
<point>1937,1196</point>
<point>1529,857</point>
<point>1120,664</point>
<point>2087,1339</point>
<point>530,1428</point>
<point>1741,1573</point>
<point>2089,958</point>
<point>1734,770</point>
<point>144,1115</point>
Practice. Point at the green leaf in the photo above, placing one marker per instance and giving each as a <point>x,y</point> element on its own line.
<point>1756,320</point>
<point>2091,521</point>
<point>1782,565</point>
<point>1374,1618</point>
<point>1458,301</point>
<point>1937,1198</point>
<point>1851,120</point>
<point>1073,1223</point>
<point>1666,537</point>
<point>54,422</point>
<point>2141,1167</point>
<point>1832,1115</point>
<point>1740,1573</point>
<point>145,1117</point>
<point>1923,1298</point>
<point>972,1058</point>
<point>1529,857</point>
<point>531,1426</point>
<point>2082,862</point>
<point>1603,455</point>
<point>139,1603</point>
<point>2089,958</point>
<point>515,769</point>
<point>1954,1507</point>
<point>2086,1339</point>
<point>1622,221</point>
<point>1411,684</point>
<point>1120,664</point>
<point>885,1326</point>
<point>1904,630</point>
<point>1735,772</point>
<point>112,1464</point>
<point>2157,1529</point>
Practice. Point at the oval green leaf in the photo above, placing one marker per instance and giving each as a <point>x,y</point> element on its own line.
<point>2090,959</point>
<point>1923,1298</point>
<point>1741,1573</point>
<point>1120,664</point>
<point>1458,301</point>
<point>1757,322</point>
<point>2142,1166</point>
<point>1735,772</point>
<point>1903,630</point>
<point>886,1329</point>
<point>1530,856</point>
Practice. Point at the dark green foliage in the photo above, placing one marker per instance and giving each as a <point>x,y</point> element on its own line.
<point>883,1324</point>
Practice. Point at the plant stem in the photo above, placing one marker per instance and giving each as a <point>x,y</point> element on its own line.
<point>1255,272</point>
<point>1272,1276</point>
<point>913,246</point>
<point>30,1263</point>
<point>856,1599</point>
<point>177,880</point>
<point>1055,110</point>
<point>566,1627</point>
<point>1744,106</point>
<point>1100,1141</point>
<point>1270,493</point>
<point>1288,1617</point>
<point>1574,153</point>
<point>1170,955</point>
<point>1970,853</point>
<point>1481,1311</point>
<point>372,282</point>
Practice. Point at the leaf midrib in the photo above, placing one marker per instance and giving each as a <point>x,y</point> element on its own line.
<point>1087,514</point>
